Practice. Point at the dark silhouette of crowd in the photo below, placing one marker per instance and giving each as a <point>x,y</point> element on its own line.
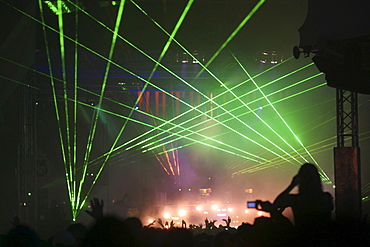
<point>312,226</point>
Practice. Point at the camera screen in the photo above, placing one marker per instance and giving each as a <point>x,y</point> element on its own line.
<point>251,204</point>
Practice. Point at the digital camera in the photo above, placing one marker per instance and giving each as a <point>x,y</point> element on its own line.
<point>251,204</point>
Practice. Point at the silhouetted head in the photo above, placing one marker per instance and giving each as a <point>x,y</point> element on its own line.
<point>109,231</point>
<point>78,231</point>
<point>22,236</point>
<point>309,179</point>
<point>223,238</point>
<point>180,237</point>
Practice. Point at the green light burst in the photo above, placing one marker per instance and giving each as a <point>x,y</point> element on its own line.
<point>179,128</point>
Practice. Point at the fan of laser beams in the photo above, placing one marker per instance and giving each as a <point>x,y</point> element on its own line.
<point>168,159</point>
<point>68,133</point>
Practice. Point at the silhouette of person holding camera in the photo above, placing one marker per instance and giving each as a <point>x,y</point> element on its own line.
<point>312,206</point>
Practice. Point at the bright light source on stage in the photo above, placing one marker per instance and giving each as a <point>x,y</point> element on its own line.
<point>175,218</point>
<point>29,194</point>
<point>249,191</point>
<point>151,221</point>
<point>54,7</point>
<point>259,110</point>
<point>185,58</point>
<point>166,215</point>
<point>214,207</point>
<point>246,211</point>
<point>221,215</point>
<point>205,212</point>
<point>260,213</point>
<point>136,108</point>
<point>180,190</point>
<point>189,189</point>
<point>198,208</point>
<point>229,209</point>
<point>182,213</point>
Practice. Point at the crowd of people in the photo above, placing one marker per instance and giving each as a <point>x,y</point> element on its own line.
<point>312,226</point>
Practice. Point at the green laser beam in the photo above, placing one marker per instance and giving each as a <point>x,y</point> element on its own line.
<point>272,106</point>
<point>75,108</point>
<point>224,113</point>
<point>244,95</point>
<point>256,168</point>
<point>245,20</point>
<point>278,101</point>
<point>146,124</point>
<point>283,120</point>
<point>64,76</point>
<point>233,34</point>
<point>172,36</point>
<point>167,130</point>
<point>236,98</point>
<point>294,95</point>
<point>91,92</point>
<point>156,65</point>
<point>18,82</point>
<point>93,129</point>
<point>68,176</point>
<point>321,149</point>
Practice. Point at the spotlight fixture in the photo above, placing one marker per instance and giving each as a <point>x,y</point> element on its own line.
<point>297,52</point>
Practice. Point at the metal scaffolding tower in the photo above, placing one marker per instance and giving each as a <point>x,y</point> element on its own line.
<point>347,158</point>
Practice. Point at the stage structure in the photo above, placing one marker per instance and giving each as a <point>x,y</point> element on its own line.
<point>338,36</point>
<point>157,112</point>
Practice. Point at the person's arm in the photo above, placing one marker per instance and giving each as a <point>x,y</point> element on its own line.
<point>275,214</point>
<point>282,200</point>
<point>96,209</point>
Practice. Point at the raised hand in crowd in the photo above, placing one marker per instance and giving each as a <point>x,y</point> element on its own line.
<point>16,221</point>
<point>96,209</point>
<point>227,221</point>
<point>160,222</point>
